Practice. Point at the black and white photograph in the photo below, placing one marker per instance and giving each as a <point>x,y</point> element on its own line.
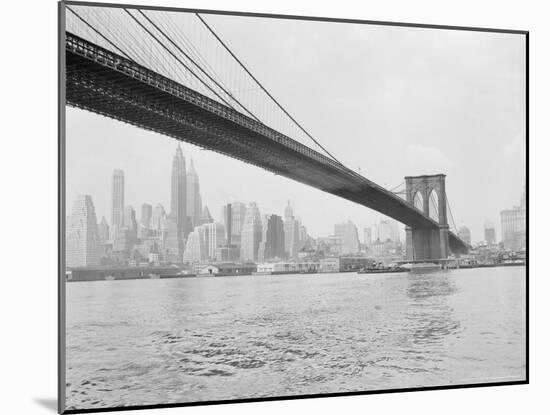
<point>266,207</point>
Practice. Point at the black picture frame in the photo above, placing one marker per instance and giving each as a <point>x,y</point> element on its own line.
<point>62,203</point>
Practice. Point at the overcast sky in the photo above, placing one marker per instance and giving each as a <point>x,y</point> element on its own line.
<point>389,101</point>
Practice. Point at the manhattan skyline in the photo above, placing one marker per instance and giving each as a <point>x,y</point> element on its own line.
<point>151,214</point>
<point>233,184</point>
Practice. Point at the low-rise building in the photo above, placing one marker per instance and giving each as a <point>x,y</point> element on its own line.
<point>342,264</point>
<point>119,273</point>
<point>288,267</point>
<point>225,269</point>
<point>387,251</point>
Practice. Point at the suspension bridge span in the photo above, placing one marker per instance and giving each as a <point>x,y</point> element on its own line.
<point>112,84</point>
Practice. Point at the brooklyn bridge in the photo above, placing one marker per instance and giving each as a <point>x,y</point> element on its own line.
<point>139,67</point>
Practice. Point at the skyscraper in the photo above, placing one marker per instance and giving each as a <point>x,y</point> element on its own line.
<point>291,232</point>
<point>387,230</point>
<point>123,242</point>
<point>513,226</point>
<point>227,222</point>
<point>303,237</point>
<point>193,195</point>
<point>130,224</point>
<point>490,233</point>
<point>203,235</point>
<point>117,201</point>
<point>289,213</point>
<point>206,217</point>
<point>146,215</point>
<point>82,237</point>
<point>237,215</point>
<point>347,231</point>
<point>215,238</point>
<point>272,245</point>
<point>103,230</point>
<point>103,236</point>
<point>229,251</point>
<point>159,214</point>
<point>172,241</point>
<point>145,222</point>
<point>367,236</point>
<point>194,249</point>
<point>178,204</point>
<point>251,234</point>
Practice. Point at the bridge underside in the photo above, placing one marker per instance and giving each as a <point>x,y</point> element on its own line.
<point>105,83</point>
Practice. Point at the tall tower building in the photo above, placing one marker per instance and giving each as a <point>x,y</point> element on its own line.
<point>229,251</point>
<point>513,226</point>
<point>117,198</point>
<point>146,215</point>
<point>178,203</point>
<point>251,234</point>
<point>159,215</point>
<point>193,196</point>
<point>237,215</point>
<point>289,213</point>
<point>194,249</point>
<point>206,217</point>
<point>130,220</point>
<point>303,237</point>
<point>347,231</point>
<point>227,222</point>
<point>387,230</point>
<point>292,233</point>
<point>146,220</point>
<point>272,245</point>
<point>367,236</point>
<point>490,233</point>
<point>204,235</point>
<point>172,242</point>
<point>82,237</point>
<point>103,230</point>
<point>215,238</point>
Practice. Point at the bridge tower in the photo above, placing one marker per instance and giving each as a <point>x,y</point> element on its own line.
<point>428,244</point>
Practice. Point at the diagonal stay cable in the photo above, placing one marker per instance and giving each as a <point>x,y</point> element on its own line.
<point>436,207</point>
<point>178,59</point>
<point>451,213</point>
<point>197,65</point>
<point>184,41</point>
<point>265,90</point>
<point>99,33</point>
<point>393,190</point>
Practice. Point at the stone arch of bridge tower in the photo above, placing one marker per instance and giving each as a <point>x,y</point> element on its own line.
<point>425,244</point>
<point>418,200</point>
<point>433,204</point>
<point>425,185</point>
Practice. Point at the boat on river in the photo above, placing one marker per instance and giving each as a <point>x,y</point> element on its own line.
<point>382,270</point>
<point>421,267</point>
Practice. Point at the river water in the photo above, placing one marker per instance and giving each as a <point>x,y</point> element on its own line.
<point>147,342</point>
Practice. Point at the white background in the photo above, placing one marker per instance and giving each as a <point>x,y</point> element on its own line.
<point>28,164</point>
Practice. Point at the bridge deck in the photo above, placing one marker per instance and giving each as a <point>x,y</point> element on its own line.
<point>105,83</point>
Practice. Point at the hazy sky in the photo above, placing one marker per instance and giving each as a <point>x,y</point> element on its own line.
<point>389,101</point>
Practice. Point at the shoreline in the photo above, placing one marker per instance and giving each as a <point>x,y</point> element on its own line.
<point>268,274</point>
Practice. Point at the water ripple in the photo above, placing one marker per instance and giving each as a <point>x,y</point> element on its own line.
<point>226,338</point>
